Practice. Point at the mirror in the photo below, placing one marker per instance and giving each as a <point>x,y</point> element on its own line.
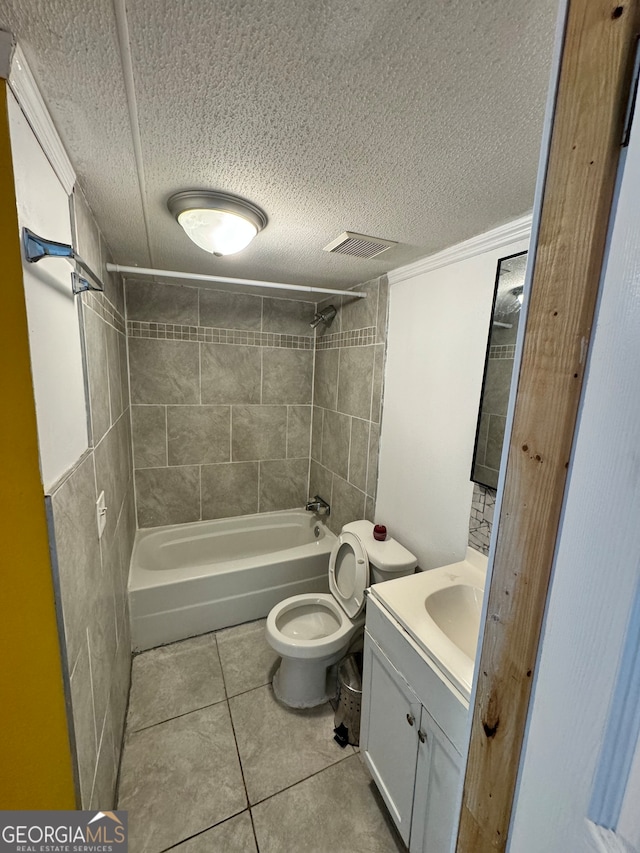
<point>498,367</point>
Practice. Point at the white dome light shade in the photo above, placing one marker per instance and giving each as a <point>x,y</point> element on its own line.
<point>217,231</point>
<point>220,223</point>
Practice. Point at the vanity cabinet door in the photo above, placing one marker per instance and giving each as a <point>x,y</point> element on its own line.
<point>389,733</point>
<point>437,778</point>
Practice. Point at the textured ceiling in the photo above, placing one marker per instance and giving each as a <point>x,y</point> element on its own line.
<point>418,121</point>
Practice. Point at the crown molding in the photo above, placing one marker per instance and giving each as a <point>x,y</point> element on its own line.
<point>518,229</point>
<point>25,88</point>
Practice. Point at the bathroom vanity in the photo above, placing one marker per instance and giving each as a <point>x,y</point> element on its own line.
<point>414,714</point>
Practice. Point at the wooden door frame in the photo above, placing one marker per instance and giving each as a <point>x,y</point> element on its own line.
<point>593,84</point>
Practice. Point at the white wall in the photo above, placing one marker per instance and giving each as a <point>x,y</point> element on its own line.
<point>52,312</point>
<point>596,566</point>
<point>437,339</point>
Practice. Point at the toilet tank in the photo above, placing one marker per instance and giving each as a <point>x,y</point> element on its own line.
<point>388,559</point>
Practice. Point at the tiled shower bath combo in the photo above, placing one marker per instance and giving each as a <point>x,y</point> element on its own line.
<point>227,391</point>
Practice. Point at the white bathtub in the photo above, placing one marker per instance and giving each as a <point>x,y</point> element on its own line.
<point>187,579</point>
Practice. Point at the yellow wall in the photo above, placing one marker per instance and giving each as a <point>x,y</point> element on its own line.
<point>35,757</point>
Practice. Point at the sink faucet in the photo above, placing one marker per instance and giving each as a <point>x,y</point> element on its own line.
<point>318,504</point>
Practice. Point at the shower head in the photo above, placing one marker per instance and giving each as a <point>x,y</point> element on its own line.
<point>326,316</point>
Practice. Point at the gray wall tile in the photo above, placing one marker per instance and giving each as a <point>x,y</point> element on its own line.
<point>495,440</point>
<point>298,431</point>
<point>101,631</point>
<point>258,432</point>
<point>149,436</point>
<point>325,392</point>
<point>97,368</point>
<point>230,310</point>
<point>269,390</point>
<point>198,434</point>
<point>355,377</point>
<point>372,470</point>
<point>83,723</point>
<point>124,371</point>
<point>287,316</point>
<point>113,466</point>
<point>87,240</point>
<point>287,375</point>
<point>320,481</point>
<point>283,484</point>
<point>383,308</point>
<point>336,433</point>
<point>230,374</point>
<point>119,695</point>
<point>113,283</point>
<point>316,432</point>
<point>115,378</point>
<point>103,794</point>
<point>161,303</point>
<point>495,394</point>
<point>359,453</point>
<point>359,313</point>
<point>347,504</point>
<point>378,383</point>
<point>164,371</point>
<point>168,495</point>
<point>229,489</point>
<point>77,551</point>
<point>370,509</point>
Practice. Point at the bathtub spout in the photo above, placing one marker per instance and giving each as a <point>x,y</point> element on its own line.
<point>318,504</point>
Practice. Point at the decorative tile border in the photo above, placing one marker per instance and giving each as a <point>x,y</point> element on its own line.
<point>503,351</point>
<point>352,338</point>
<point>208,334</point>
<point>101,306</point>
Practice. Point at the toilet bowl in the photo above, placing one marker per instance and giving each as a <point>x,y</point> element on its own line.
<point>312,632</point>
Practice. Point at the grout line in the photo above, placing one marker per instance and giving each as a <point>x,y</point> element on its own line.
<point>166,438</point>
<point>177,716</point>
<point>366,475</point>
<point>207,829</point>
<point>286,433</point>
<point>253,827</point>
<point>342,758</point>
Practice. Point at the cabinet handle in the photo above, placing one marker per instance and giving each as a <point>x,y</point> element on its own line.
<point>411,719</point>
<point>422,736</point>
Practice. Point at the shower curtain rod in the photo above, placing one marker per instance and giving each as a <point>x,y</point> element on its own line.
<point>249,282</point>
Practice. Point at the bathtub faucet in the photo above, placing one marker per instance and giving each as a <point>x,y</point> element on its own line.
<point>318,504</point>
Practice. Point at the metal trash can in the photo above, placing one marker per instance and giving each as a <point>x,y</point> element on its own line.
<point>347,718</point>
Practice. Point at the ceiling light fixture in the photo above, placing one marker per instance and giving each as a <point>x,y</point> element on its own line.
<point>220,223</point>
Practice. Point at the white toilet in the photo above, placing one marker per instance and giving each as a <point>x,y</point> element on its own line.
<point>313,632</point>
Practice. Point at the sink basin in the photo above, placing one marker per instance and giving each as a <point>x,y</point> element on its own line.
<point>456,611</point>
<point>441,610</point>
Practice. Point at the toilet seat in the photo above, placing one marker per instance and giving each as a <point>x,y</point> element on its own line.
<point>319,625</point>
<point>304,640</point>
<point>349,573</point>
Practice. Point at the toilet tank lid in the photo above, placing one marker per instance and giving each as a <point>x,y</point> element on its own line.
<point>388,556</point>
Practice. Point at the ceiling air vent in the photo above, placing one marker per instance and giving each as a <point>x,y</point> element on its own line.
<point>359,245</point>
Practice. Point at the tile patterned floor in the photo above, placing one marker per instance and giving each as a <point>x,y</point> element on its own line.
<point>212,763</point>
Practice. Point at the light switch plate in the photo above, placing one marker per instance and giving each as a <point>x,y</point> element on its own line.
<point>101,514</point>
